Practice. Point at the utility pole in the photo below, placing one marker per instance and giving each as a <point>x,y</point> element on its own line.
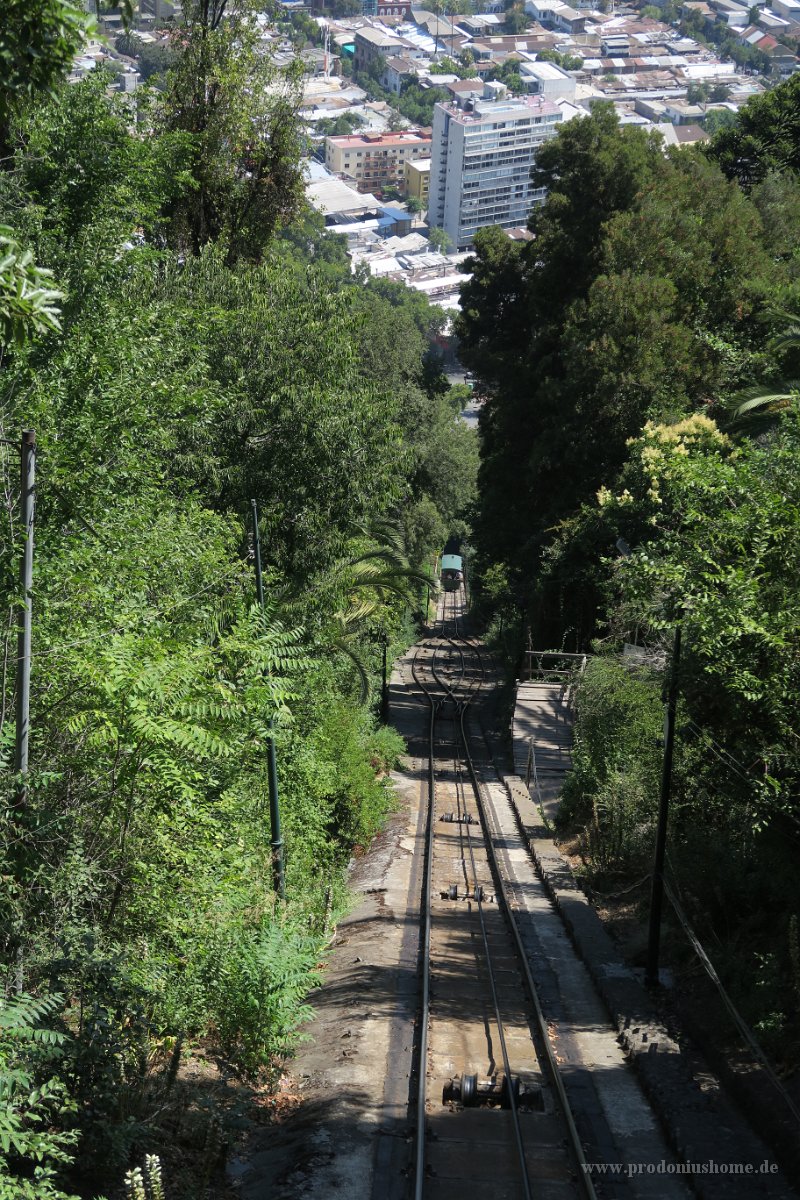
<point>385,685</point>
<point>657,892</point>
<point>274,807</point>
<point>23,677</point>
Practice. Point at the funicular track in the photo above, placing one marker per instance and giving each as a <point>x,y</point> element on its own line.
<point>492,1116</point>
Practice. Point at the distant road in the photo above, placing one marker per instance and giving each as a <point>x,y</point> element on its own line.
<point>469,415</point>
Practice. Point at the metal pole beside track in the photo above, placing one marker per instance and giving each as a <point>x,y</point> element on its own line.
<point>276,840</point>
<point>657,891</point>
<point>23,678</point>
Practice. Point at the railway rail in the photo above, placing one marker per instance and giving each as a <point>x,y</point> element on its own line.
<point>492,1114</point>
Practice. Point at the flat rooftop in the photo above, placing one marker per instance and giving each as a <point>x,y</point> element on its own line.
<point>543,70</point>
<point>362,141</point>
<point>486,110</point>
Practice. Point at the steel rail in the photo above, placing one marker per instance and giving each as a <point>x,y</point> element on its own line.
<point>449,640</point>
<point>554,1070</point>
<point>461,710</point>
<point>419,1168</point>
<point>425,904</point>
<point>475,650</point>
<point>460,707</point>
<point>510,1090</point>
<point>419,1174</point>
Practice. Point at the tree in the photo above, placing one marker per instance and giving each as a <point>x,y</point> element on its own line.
<point>336,126</point>
<point>718,118</point>
<point>376,67</point>
<point>83,133</point>
<point>439,239</point>
<point>516,20</point>
<point>697,93</point>
<point>568,62</point>
<point>241,117</point>
<point>154,59</point>
<point>766,136</point>
<point>637,299</point>
<point>178,386</point>
<point>757,408</point>
<point>38,41</point>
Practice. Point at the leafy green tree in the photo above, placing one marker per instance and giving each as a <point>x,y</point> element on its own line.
<point>376,68</point>
<point>439,239</point>
<point>569,62</point>
<point>154,59</point>
<point>713,524</point>
<point>698,93</point>
<point>38,41</point>
<point>343,124</point>
<point>605,320</point>
<point>777,199</point>
<point>179,386</point>
<point>369,577</point>
<point>516,20</point>
<point>717,119</point>
<point>463,68</point>
<point>756,408</point>
<point>723,556</point>
<point>765,137</point>
<point>240,115</point>
<point>593,157</point>
<point>76,161</point>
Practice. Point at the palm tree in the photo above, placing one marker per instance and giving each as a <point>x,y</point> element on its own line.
<point>369,579</point>
<point>756,408</point>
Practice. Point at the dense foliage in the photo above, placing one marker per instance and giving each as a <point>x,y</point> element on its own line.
<point>197,343</point>
<point>637,396</point>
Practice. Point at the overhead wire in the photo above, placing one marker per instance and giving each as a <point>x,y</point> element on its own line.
<point>724,756</point>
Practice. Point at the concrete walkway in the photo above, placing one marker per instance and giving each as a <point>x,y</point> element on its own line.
<point>542,741</point>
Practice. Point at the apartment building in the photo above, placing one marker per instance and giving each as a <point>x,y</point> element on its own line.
<point>376,160</point>
<point>481,161</point>
<point>418,178</point>
<point>375,43</point>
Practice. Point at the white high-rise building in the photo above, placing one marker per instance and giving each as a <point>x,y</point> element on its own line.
<point>481,159</point>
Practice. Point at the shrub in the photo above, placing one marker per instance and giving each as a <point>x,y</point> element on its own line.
<point>612,790</point>
<point>32,1152</point>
